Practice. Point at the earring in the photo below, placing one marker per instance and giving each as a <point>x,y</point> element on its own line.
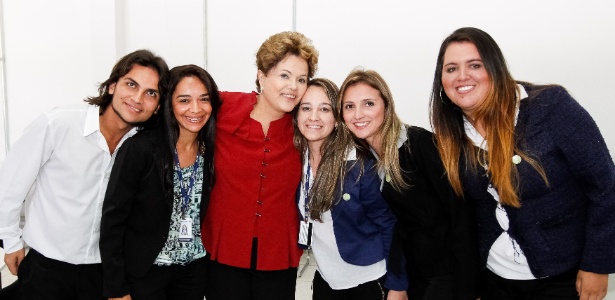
<point>442,97</point>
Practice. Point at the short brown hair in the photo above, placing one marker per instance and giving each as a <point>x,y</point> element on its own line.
<point>279,46</point>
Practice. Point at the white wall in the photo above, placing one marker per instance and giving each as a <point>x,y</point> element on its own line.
<point>57,51</point>
<point>566,42</point>
<point>3,141</point>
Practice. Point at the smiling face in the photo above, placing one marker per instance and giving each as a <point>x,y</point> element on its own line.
<point>135,95</point>
<point>464,77</point>
<point>363,111</point>
<point>284,85</point>
<point>315,118</point>
<point>191,105</point>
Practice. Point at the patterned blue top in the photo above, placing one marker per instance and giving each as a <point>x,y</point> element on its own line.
<point>176,252</point>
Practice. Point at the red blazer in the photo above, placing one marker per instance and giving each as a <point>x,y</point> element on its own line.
<point>254,190</point>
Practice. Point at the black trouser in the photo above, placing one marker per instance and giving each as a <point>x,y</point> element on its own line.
<point>231,283</point>
<point>11,291</point>
<point>371,290</point>
<point>45,278</point>
<point>171,282</point>
<point>559,287</point>
<point>431,288</point>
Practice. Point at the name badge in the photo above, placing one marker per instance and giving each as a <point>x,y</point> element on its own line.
<point>305,233</point>
<point>185,230</point>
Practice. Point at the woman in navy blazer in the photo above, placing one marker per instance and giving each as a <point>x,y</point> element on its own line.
<point>536,167</point>
<point>343,216</point>
<point>157,196</point>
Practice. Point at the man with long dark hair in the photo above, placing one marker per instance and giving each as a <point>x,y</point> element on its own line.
<point>58,171</point>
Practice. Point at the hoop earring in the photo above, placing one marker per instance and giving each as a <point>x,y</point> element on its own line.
<point>441,97</point>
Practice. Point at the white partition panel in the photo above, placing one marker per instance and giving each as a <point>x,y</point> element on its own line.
<point>569,43</point>
<point>172,29</point>
<point>235,30</point>
<point>49,59</point>
<point>64,48</point>
<point>3,120</point>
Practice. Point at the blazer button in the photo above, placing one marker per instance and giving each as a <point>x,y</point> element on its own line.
<point>516,159</point>
<point>346,196</point>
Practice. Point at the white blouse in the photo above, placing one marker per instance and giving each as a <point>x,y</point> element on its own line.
<point>506,259</point>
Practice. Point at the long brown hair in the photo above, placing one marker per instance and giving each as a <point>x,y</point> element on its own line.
<point>496,114</point>
<point>334,150</point>
<point>141,57</point>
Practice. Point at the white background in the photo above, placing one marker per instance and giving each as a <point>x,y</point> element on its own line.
<point>58,51</point>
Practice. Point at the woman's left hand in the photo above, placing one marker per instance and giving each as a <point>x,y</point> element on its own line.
<point>397,295</point>
<point>592,286</point>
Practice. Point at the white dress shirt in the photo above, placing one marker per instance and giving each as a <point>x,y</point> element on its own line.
<point>57,172</point>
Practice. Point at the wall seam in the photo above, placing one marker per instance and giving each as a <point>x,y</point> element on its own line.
<point>3,94</point>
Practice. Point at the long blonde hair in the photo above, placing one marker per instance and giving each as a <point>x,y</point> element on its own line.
<point>390,128</point>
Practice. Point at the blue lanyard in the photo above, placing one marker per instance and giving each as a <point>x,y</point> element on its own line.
<point>306,192</point>
<point>186,192</point>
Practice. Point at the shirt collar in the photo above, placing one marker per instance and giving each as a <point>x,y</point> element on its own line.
<point>401,139</point>
<point>92,120</point>
<point>403,136</point>
<point>473,134</point>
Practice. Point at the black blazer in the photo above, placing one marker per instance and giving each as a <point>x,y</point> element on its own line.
<point>137,211</point>
<point>435,229</point>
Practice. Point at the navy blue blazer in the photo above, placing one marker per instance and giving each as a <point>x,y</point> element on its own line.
<point>570,223</point>
<point>363,223</point>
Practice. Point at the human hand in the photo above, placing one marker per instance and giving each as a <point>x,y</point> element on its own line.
<point>591,286</point>
<point>127,297</point>
<point>397,295</point>
<point>13,260</point>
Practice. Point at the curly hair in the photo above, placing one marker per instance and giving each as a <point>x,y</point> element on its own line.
<point>279,46</point>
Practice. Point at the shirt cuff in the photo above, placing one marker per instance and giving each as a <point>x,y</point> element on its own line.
<point>12,244</point>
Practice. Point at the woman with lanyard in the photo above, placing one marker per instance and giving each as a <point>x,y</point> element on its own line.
<point>344,219</point>
<point>157,196</point>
